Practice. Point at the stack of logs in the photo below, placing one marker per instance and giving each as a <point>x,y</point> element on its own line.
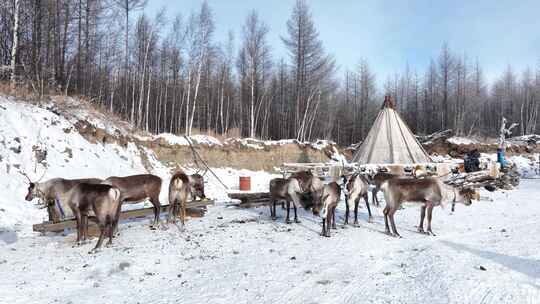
<point>506,179</point>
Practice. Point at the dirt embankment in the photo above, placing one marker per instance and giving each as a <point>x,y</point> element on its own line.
<point>233,154</point>
<point>239,157</point>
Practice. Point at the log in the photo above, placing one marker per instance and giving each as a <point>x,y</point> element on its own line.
<point>194,209</point>
<point>437,136</point>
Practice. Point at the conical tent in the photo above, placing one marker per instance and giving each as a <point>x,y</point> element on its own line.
<point>390,141</point>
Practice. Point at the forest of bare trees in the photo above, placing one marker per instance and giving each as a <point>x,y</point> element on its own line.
<point>172,74</point>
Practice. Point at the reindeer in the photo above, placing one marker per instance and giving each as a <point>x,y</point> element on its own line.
<point>183,188</point>
<point>429,192</point>
<point>104,201</point>
<point>377,180</point>
<point>136,188</point>
<point>54,189</point>
<point>277,192</point>
<point>356,187</point>
<point>294,189</point>
<point>331,194</point>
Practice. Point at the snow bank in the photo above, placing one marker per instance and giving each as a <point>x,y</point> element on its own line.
<point>456,140</point>
<point>528,167</point>
<point>36,141</point>
<point>173,139</point>
<point>74,110</point>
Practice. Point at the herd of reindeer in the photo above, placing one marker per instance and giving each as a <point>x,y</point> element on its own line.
<point>301,189</point>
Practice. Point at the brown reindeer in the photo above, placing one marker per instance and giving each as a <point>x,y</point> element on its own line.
<point>356,187</point>
<point>429,192</point>
<point>331,194</point>
<point>104,201</point>
<point>294,190</point>
<point>137,188</point>
<point>183,188</point>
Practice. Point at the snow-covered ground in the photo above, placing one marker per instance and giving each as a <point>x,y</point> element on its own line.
<point>241,256</point>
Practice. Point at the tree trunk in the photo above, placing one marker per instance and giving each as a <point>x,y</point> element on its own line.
<point>15,44</point>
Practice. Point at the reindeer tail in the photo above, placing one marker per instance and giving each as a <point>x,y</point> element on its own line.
<point>114,194</point>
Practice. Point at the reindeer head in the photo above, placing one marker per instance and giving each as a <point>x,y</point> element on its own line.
<point>316,204</point>
<point>32,192</point>
<point>33,187</point>
<point>196,182</point>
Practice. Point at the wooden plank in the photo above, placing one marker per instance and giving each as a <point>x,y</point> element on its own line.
<point>249,195</point>
<point>194,209</point>
<point>254,204</point>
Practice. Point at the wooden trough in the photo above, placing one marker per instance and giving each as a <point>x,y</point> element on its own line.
<point>251,199</point>
<point>194,209</point>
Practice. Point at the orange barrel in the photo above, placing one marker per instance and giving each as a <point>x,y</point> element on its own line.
<point>245,183</point>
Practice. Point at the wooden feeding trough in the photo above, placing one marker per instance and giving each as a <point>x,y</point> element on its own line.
<point>251,199</point>
<point>194,209</point>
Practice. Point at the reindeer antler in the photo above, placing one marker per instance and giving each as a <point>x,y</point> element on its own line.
<point>25,175</point>
<point>42,175</point>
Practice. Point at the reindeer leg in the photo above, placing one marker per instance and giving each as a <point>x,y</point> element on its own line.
<point>157,207</point>
<point>183,211</point>
<point>385,212</point>
<point>101,236</point>
<point>84,227</point>
<point>116,219</point>
<point>366,198</point>
<point>453,206</point>
<point>429,213</point>
<point>323,232</point>
<point>110,229</point>
<point>295,215</point>
<point>346,212</point>
<point>328,223</point>
<point>85,216</point>
<point>171,212</point>
<point>356,202</point>
<point>288,219</point>
<point>334,218</point>
<point>422,215</point>
<point>79,227</point>
<point>374,197</point>
<point>273,210</point>
<point>391,216</point>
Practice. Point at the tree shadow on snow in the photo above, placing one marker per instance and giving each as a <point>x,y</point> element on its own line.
<point>528,267</point>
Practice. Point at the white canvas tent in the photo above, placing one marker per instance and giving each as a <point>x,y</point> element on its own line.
<point>390,141</point>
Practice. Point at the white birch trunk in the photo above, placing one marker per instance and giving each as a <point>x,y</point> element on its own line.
<point>15,45</point>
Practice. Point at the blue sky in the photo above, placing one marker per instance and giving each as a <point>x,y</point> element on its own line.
<point>390,34</point>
